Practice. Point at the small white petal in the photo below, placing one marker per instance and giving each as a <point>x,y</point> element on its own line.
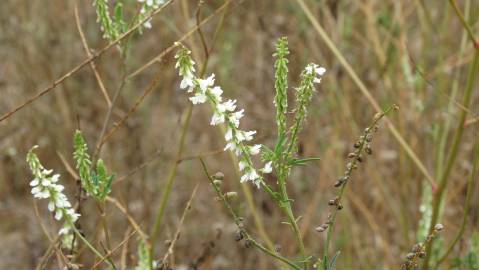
<point>51,206</point>
<point>254,150</point>
<point>58,214</point>
<point>242,165</point>
<point>198,99</point>
<point>268,168</point>
<point>34,182</point>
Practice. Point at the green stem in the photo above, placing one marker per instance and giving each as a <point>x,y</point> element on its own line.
<point>169,183</point>
<point>285,204</point>
<point>240,226</point>
<point>348,173</point>
<point>453,154</point>
<point>467,207</point>
<point>90,246</point>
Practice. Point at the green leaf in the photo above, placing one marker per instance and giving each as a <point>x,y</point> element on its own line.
<point>301,161</point>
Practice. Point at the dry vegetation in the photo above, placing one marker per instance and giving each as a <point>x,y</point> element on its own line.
<point>416,54</point>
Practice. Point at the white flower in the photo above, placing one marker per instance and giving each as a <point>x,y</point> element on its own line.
<point>217,119</point>
<point>187,81</point>
<point>64,231</point>
<point>248,135</point>
<point>229,134</point>
<point>235,117</point>
<point>242,164</point>
<point>251,175</point>
<point>320,70</point>
<point>217,91</point>
<point>229,105</point>
<point>198,99</point>
<point>147,24</point>
<point>268,168</point>
<point>317,70</point>
<point>206,83</point>
<point>254,150</point>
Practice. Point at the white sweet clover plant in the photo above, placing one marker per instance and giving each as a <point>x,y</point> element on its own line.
<point>113,25</point>
<point>226,112</point>
<point>46,186</point>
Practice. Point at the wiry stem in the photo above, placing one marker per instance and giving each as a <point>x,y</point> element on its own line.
<point>361,147</point>
<point>237,221</point>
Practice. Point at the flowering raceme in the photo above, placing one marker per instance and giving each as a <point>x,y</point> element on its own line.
<point>149,5</point>
<point>45,186</point>
<point>224,112</point>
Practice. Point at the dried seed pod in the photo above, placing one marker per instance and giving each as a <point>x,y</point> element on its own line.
<point>217,182</point>
<point>357,144</point>
<point>438,227</point>
<point>338,183</point>
<point>351,155</point>
<point>231,195</point>
<point>218,176</point>
<point>416,248</point>
<point>239,236</point>
<point>339,206</point>
<point>277,248</point>
<point>422,254</point>
<point>368,150</point>
<point>410,256</point>
<point>248,243</point>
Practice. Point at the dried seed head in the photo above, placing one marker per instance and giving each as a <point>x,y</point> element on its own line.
<point>321,228</point>
<point>416,248</point>
<point>231,195</point>
<point>239,236</point>
<point>338,183</point>
<point>219,176</point>
<point>439,227</point>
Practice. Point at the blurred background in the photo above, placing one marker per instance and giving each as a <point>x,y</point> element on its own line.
<point>411,53</point>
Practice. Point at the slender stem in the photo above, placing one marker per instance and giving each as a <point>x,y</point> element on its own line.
<point>169,182</point>
<point>362,145</point>
<point>285,204</point>
<point>237,221</point>
<point>90,246</point>
<point>438,196</point>
<point>467,207</point>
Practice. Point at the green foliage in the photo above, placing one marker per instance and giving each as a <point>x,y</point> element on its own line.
<point>281,85</point>
<point>113,26</point>
<point>471,260</point>
<point>96,183</point>
<point>143,257</point>
<point>304,94</point>
<point>83,162</point>
<point>109,26</point>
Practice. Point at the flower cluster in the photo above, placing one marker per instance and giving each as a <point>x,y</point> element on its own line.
<point>45,186</point>
<point>149,5</point>
<point>225,112</point>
